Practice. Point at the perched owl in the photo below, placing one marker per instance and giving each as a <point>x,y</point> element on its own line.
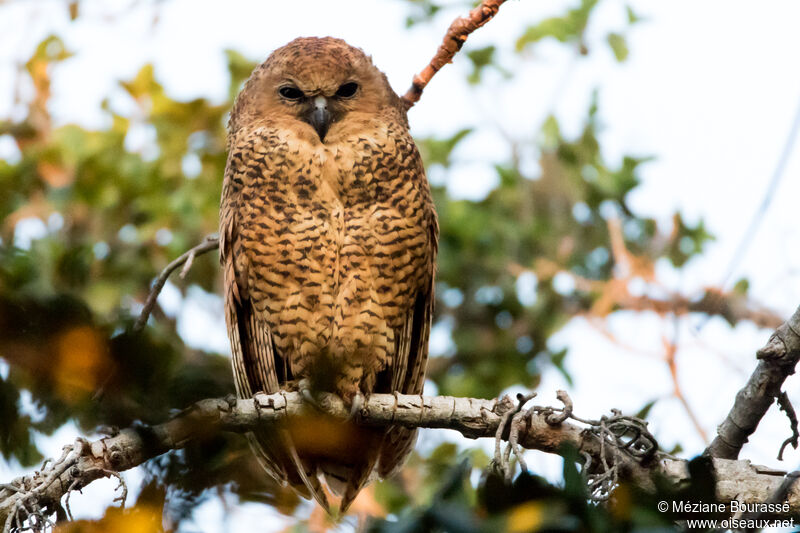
<point>328,239</point>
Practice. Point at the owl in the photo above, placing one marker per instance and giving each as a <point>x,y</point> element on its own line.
<point>328,240</point>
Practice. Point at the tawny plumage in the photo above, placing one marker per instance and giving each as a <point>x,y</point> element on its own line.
<point>328,242</point>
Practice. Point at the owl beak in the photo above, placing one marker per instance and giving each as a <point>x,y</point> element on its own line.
<point>320,117</point>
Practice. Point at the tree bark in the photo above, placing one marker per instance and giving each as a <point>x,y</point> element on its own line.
<point>777,360</point>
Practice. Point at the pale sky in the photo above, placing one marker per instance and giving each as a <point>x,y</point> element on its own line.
<point>709,89</point>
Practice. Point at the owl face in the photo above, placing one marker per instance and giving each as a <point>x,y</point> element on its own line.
<point>317,84</point>
<point>319,105</point>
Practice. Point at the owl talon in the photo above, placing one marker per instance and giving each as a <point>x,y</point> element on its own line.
<point>304,387</point>
<point>355,408</point>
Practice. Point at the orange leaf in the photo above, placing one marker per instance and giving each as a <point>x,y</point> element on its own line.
<point>55,175</point>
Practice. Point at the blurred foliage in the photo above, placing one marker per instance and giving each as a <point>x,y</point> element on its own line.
<point>530,504</point>
<point>90,216</point>
<point>422,11</point>
<point>568,28</point>
<point>482,58</point>
<point>539,226</point>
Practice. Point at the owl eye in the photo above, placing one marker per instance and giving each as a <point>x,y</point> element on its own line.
<point>347,90</point>
<point>291,92</point>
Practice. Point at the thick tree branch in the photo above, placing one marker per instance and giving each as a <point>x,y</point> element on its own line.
<point>540,428</point>
<point>777,360</point>
<point>454,39</point>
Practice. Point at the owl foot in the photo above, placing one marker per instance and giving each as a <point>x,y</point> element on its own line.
<point>304,387</point>
<point>512,420</point>
<point>322,401</point>
<point>109,431</point>
<point>231,400</point>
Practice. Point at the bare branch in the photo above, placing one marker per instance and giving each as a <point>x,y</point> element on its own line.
<point>677,391</point>
<point>777,360</point>
<point>713,303</point>
<point>786,406</point>
<point>454,39</point>
<point>211,242</point>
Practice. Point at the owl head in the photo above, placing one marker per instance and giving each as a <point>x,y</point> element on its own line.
<point>315,86</point>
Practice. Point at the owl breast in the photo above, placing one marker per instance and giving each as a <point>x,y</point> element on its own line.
<point>337,249</point>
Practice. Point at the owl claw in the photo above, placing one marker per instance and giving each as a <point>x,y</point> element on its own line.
<point>304,387</point>
<point>323,405</point>
<point>355,407</point>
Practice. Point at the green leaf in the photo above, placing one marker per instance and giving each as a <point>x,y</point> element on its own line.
<point>558,28</point>
<point>644,411</point>
<point>568,28</point>
<point>741,287</point>
<point>551,132</point>
<point>618,45</point>
<point>687,241</point>
<point>51,49</point>
<point>676,450</point>
<point>480,58</point>
<point>557,359</point>
<point>239,69</point>
<point>574,483</point>
<point>437,151</point>
<point>424,11</point>
<point>633,18</point>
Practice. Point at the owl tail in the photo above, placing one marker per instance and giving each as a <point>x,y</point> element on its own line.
<point>345,477</point>
<point>347,455</point>
<point>278,456</point>
<point>344,453</point>
<point>397,444</point>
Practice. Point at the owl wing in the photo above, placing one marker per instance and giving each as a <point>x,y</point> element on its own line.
<point>411,355</point>
<point>254,358</point>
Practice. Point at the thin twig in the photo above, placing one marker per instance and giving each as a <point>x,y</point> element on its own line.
<point>672,349</point>
<point>211,242</point>
<point>758,216</point>
<point>713,302</point>
<point>498,462</point>
<point>454,39</point>
<point>786,406</point>
<point>513,436</point>
<point>555,419</point>
<point>73,486</point>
